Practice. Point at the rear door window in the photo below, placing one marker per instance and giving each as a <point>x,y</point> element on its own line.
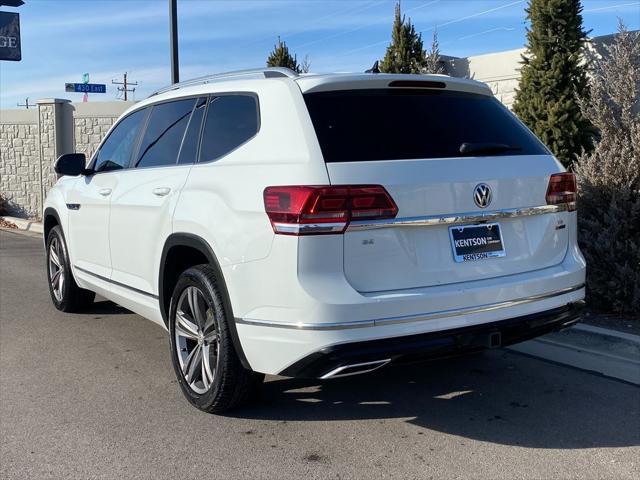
<point>231,120</point>
<point>388,124</point>
<point>163,136</point>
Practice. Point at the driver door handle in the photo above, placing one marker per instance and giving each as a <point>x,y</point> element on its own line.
<point>104,191</point>
<point>161,191</point>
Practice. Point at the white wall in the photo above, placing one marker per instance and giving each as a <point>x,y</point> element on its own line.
<point>501,70</point>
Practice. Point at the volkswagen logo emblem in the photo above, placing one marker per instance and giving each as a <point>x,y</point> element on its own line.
<point>482,195</point>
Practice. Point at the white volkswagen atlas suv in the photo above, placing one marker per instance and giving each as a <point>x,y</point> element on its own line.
<point>317,226</point>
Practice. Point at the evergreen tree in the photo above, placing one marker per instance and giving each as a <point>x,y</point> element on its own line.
<point>406,53</point>
<point>554,78</point>
<point>280,57</point>
<point>432,62</point>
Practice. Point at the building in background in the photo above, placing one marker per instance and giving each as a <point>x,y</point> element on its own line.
<point>501,70</point>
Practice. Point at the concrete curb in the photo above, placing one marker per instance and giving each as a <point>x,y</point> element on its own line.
<point>608,352</point>
<point>606,331</point>
<point>26,225</point>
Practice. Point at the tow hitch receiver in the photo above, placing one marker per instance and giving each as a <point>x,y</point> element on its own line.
<point>495,340</point>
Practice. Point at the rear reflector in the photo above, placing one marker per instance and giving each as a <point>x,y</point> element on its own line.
<point>562,189</point>
<point>313,210</point>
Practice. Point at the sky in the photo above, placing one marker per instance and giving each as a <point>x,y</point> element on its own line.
<point>62,39</point>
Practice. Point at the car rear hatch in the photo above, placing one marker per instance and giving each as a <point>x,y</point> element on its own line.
<point>409,140</point>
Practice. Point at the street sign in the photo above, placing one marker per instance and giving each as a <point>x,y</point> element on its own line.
<point>10,37</point>
<point>85,87</point>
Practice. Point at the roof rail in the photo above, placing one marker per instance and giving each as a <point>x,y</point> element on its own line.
<point>268,72</point>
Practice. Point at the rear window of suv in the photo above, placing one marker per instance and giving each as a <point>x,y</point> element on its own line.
<point>387,124</point>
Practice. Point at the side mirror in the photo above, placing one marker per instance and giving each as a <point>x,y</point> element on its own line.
<point>72,164</point>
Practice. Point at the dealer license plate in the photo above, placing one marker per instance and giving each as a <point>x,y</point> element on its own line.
<point>476,242</point>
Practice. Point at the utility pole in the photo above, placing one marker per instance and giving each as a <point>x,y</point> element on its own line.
<point>173,40</point>
<point>26,104</point>
<point>125,86</point>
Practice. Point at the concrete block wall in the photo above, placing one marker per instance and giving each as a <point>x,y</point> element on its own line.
<point>31,141</point>
<point>91,122</point>
<point>50,146</point>
<point>19,168</point>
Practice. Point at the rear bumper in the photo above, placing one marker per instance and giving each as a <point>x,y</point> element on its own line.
<point>280,322</point>
<point>333,361</point>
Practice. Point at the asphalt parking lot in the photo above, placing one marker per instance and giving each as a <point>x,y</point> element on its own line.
<point>94,396</point>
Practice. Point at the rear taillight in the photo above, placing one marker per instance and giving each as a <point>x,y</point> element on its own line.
<point>562,190</point>
<point>313,210</point>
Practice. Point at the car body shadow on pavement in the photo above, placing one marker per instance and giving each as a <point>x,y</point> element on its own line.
<point>105,307</point>
<point>498,397</point>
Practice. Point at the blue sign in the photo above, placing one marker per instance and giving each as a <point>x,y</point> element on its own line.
<point>85,87</point>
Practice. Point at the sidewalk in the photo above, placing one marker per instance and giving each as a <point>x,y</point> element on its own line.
<point>602,350</point>
<point>33,226</point>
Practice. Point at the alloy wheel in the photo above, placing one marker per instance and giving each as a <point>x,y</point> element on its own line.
<point>56,269</point>
<point>197,339</point>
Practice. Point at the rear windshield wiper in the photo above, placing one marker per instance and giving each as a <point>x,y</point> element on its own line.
<point>489,147</point>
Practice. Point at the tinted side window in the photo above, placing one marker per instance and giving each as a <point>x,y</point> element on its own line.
<point>115,152</point>
<point>163,136</point>
<point>231,121</point>
<point>189,148</point>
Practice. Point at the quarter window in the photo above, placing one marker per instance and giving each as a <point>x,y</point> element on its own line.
<point>115,152</point>
<point>231,121</point>
<point>163,136</point>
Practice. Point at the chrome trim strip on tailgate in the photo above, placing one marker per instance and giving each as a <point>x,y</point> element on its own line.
<point>408,318</point>
<point>460,218</point>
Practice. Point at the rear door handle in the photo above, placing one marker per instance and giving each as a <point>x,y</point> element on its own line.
<point>104,191</point>
<point>161,191</point>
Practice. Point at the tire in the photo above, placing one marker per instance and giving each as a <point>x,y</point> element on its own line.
<point>207,366</point>
<point>65,293</point>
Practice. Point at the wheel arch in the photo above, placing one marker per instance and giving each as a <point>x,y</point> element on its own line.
<point>50,219</point>
<point>167,278</point>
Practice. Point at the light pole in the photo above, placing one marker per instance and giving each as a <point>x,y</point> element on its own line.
<point>173,38</point>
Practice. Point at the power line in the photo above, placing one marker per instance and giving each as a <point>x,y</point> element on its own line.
<point>610,7</point>
<point>366,25</point>
<point>125,86</point>
<point>304,29</point>
<point>478,14</point>
<point>455,20</point>
<point>473,35</point>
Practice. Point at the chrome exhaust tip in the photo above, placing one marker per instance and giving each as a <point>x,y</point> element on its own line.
<point>355,369</point>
